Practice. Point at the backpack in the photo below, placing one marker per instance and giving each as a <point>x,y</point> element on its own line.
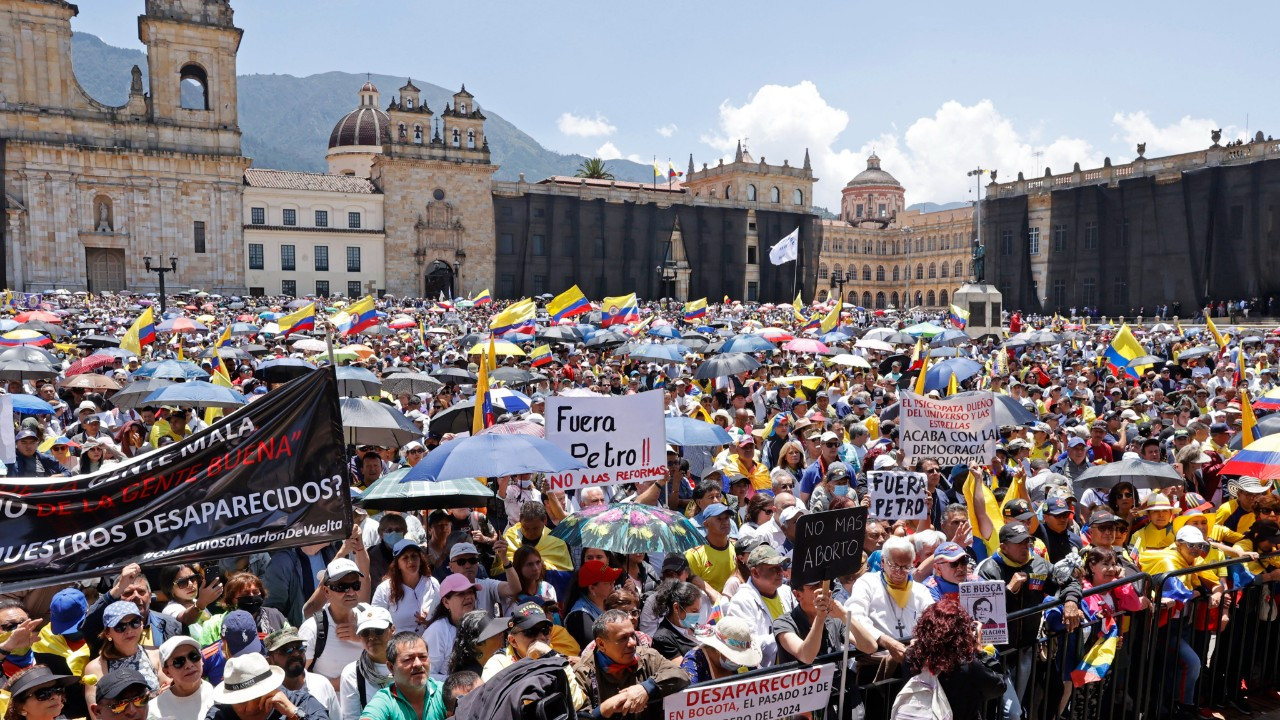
<point>922,698</point>
<point>322,634</point>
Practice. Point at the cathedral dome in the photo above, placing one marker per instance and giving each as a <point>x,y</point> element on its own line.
<point>873,175</point>
<point>363,126</point>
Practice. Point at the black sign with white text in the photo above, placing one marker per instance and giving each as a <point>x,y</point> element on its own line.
<point>828,545</point>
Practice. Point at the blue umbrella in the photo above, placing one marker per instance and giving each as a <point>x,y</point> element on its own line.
<point>171,369</point>
<point>705,329</point>
<point>30,405</point>
<point>947,352</point>
<point>665,331</point>
<point>949,338</point>
<point>196,393</point>
<point>281,370</point>
<point>241,328</point>
<point>491,455</point>
<point>659,353</point>
<point>688,432</point>
<point>834,337</point>
<point>748,344</point>
<point>939,376</point>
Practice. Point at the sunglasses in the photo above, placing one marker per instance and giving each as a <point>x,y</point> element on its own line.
<point>832,444</point>
<point>353,586</point>
<point>48,693</point>
<point>373,634</point>
<point>1125,494</point>
<point>467,561</point>
<point>119,706</point>
<point>962,562</point>
<point>1199,547</point>
<point>786,486</point>
<point>124,625</point>
<point>186,581</point>
<point>416,451</point>
<point>181,661</point>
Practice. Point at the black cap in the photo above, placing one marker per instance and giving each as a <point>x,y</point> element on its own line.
<point>37,676</point>
<point>1104,517</point>
<point>1019,509</point>
<point>528,616</point>
<point>1014,533</point>
<point>114,683</point>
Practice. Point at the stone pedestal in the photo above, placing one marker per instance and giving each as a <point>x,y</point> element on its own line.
<point>984,303</point>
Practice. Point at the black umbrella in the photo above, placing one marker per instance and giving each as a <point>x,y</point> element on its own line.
<point>410,382</point>
<point>226,353</point>
<point>1196,352</point>
<point>282,370</point>
<point>886,364</point>
<point>512,376</point>
<point>30,354</point>
<point>357,381</point>
<point>606,339</point>
<point>299,303</point>
<point>726,364</point>
<point>467,341</point>
<point>45,328</point>
<point>25,370</point>
<point>366,422</point>
<point>560,333</point>
<point>454,375</point>
<point>254,349</point>
<point>1269,425</point>
<point>1142,474</point>
<point>131,397</point>
<point>454,419</point>
<point>99,341</point>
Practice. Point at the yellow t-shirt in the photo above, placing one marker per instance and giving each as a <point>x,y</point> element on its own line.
<point>1043,452</point>
<point>774,604</point>
<point>714,566</point>
<point>1152,538</point>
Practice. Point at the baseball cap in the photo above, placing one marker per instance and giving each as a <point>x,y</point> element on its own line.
<point>715,510</point>
<point>25,433</point>
<point>837,471</point>
<point>528,616</point>
<point>118,611</point>
<point>87,405</point>
<point>1075,441</point>
<point>240,633</point>
<point>1057,505</point>
<point>765,555</point>
<point>172,644</point>
<point>949,551</point>
<point>1190,534</point>
<point>829,436</point>
<point>403,545</point>
<point>884,462</point>
<point>113,684</point>
<point>462,548</point>
<point>372,617</point>
<point>1019,509</point>
<point>592,572</point>
<point>1014,533</point>
<point>279,638</point>
<point>340,567</point>
<point>789,514</point>
<point>1216,428</point>
<point>67,611</point>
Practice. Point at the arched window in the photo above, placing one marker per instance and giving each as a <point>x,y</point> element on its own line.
<point>471,139</point>
<point>929,299</point>
<point>728,191</point>
<point>942,298</point>
<point>959,269</point>
<point>879,273</point>
<point>933,272</point>
<point>462,108</point>
<point>919,271</point>
<point>866,299</point>
<point>775,195</point>
<point>457,138</point>
<point>946,270</point>
<point>751,193</point>
<point>822,296</point>
<point>893,299</point>
<point>853,297</point>
<point>837,271</point>
<point>409,102</point>
<point>822,271</point>
<point>866,273</point>
<point>797,197</point>
<point>879,301</point>
<point>194,91</point>
<point>919,298</point>
<point>403,132</point>
<point>895,273</point>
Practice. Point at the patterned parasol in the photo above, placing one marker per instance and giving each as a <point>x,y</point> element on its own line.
<point>629,528</point>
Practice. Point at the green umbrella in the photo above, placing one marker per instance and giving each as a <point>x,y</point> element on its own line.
<point>389,493</point>
<point>629,528</point>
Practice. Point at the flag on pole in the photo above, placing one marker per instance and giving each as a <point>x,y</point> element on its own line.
<point>541,355</point>
<point>304,318</point>
<point>1123,348</point>
<point>695,309</point>
<point>360,315</point>
<point>422,336</point>
<point>657,172</point>
<point>567,304</point>
<point>832,318</point>
<point>516,316</point>
<point>924,367</point>
<point>798,306</point>
<point>1213,330</point>
<point>482,416</point>
<point>224,340</point>
<point>141,332</point>
<point>218,377</point>
<point>786,249</point>
<point>952,386</point>
<point>1248,421</point>
<point>619,310</point>
<point>482,298</point>
<point>958,316</point>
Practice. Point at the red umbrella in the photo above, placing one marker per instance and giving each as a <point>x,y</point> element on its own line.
<point>40,315</point>
<point>89,364</point>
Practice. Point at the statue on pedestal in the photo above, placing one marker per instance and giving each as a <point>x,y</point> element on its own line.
<point>979,262</point>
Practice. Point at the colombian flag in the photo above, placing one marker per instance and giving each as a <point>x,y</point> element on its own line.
<point>798,308</point>
<point>1123,348</point>
<point>1261,459</point>
<point>832,318</point>
<point>695,309</point>
<point>958,317</point>
<point>1098,659</point>
<point>1241,362</point>
<point>1269,401</point>
<point>304,318</point>
<point>567,304</point>
<point>223,341</point>
<point>517,316</point>
<point>360,315</point>
<point>620,310</point>
<point>482,417</point>
<point>813,323</point>
<point>1248,421</point>
<point>484,298</point>
<point>541,356</point>
<point>672,172</point>
<point>141,332</point>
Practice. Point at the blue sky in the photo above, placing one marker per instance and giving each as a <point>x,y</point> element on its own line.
<point>934,88</point>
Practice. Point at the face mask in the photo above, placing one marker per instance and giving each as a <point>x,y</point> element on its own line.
<point>250,604</point>
<point>690,621</point>
<point>391,538</point>
<point>732,667</point>
<point>841,490</point>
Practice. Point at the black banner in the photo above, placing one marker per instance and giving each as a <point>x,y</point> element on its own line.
<point>828,545</point>
<point>269,476</point>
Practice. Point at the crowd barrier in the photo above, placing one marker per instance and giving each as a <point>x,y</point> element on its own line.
<point>1223,650</point>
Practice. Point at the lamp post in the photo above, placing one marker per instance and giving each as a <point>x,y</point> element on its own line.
<point>458,258</point>
<point>838,280</point>
<point>161,271</point>
<point>666,279</point>
<point>977,174</point>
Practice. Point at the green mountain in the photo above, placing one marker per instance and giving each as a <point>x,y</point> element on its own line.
<point>285,120</point>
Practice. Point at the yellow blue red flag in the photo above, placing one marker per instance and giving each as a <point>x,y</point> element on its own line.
<point>1123,349</point>
<point>304,318</point>
<point>619,310</point>
<point>695,309</point>
<point>567,304</point>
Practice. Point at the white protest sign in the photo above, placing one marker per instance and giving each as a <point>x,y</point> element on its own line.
<point>8,449</point>
<point>620,439</point>
<point>984,601</point>
<point>897,495</point>
<point>769,697</point>
<point>955,431</point>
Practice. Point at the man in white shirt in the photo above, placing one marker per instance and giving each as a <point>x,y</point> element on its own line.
<point>284,650</point>
<point>763,599</point>
<point>330,638</point>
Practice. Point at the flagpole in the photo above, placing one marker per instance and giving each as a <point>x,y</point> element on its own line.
<point>795,276</point>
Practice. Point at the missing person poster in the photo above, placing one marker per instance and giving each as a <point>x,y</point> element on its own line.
<point>984,601</point>
<point>958,430</point>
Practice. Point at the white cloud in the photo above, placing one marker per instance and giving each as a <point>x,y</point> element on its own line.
<point>668,130</point>
<point>1185,135</point>
<point>608,151</point>
<point>930,158</point>
<point>579,126</point>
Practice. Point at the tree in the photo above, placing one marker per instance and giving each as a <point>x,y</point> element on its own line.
<point>594,169</point>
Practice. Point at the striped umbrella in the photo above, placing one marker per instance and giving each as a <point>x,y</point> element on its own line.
<point>18,337</point>
<point>1261,460</point>
<point>1270,401</point>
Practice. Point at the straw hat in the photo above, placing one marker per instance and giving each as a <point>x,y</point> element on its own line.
<point>731,637</point>
<point>247,678</point>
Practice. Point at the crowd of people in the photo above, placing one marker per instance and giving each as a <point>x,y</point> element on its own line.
<point>415,611</point>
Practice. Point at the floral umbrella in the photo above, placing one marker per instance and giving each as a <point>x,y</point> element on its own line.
<point>629,528</point>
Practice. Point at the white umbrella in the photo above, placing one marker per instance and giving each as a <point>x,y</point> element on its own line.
<point>870,344</point>
<point>850,360</point>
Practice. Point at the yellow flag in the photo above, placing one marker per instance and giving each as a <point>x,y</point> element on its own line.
<point>924,368</point>
<point>1213,329</point>
<point>180,355</point>
<point>989,508</point>
<point>220,378</point>
<point>1248,421</point>
<point>140,333</point>
<point>952,386</point>
<point>482,392</point>
<point>832,318</point>
<point>915,353</point>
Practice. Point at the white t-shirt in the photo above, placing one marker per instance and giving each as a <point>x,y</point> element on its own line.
<point>321,689</point>
<point>439,639</point>
<point>337,652</point>
<point>349,693</point>
<point>420,598</point>
<point>195,705</point>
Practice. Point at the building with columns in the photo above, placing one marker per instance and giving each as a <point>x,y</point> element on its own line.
<point>889,256</point>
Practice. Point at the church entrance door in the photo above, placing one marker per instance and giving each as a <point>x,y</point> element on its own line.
<point>439,279</point>
<point>105,269</point>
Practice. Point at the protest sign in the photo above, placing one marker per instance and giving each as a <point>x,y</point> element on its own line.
<point>767,697</point>
<point>620,439</point>
<point>897,495</point>
<point>958,430</point>
<point>8,450</point>
<point>269,476</point>
<point>828,545</point>
<point>984,601</point>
